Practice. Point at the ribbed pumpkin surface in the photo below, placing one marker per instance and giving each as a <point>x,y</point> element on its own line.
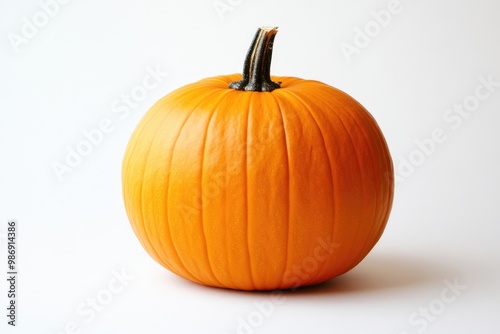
<point>258,191</point>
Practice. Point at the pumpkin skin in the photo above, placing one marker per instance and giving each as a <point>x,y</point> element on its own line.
<point>258,190</point>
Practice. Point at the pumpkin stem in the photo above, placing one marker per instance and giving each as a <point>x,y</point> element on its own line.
<point>257,67</point>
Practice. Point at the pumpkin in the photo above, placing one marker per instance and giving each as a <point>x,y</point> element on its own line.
<point>255,182</point>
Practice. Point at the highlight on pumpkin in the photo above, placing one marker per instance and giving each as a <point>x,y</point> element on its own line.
<point>257,182</point>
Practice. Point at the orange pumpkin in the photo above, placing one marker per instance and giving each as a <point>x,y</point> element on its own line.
<point>259,184</point>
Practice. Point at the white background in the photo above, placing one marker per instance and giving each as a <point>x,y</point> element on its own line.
<point>74,234</point>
